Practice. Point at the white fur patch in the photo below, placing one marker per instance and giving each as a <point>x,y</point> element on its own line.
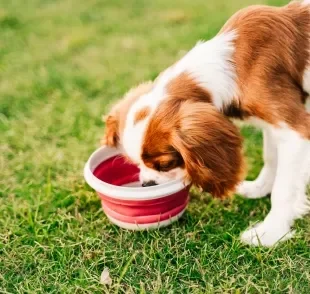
<point>133,135</point>
<point>288,196</point>
<point>210,64</point>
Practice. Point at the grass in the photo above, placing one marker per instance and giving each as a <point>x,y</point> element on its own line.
<point>61,63</point>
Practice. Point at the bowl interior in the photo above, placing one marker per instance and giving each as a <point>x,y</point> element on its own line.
<point>118,171</point>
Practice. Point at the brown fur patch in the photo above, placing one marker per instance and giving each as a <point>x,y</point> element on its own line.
<point>234,110</point>
<point>272,51</point>
<point>142,114</point>
<point>184,87</point>
<point>111,135</point>
<point>207,143</point>
<point>115,120</point>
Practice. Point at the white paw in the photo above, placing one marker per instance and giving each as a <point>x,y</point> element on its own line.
<point>266,235</point>
<point>253,189</point>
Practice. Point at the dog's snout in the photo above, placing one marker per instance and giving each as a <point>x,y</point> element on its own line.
<point>149,183</point>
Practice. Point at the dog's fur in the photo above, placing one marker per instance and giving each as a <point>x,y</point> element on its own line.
<point>256,69</point>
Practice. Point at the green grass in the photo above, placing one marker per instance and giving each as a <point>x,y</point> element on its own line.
<point>61,63</point>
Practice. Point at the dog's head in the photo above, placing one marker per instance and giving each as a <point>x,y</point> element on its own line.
<point>180,135</point>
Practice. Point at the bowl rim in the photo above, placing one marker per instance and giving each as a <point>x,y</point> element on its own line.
<point>125,193</point>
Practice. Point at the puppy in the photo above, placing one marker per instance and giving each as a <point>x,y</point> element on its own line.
<point>257,69</point>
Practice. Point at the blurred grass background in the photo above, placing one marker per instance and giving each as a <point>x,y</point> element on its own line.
<point>61,64</point>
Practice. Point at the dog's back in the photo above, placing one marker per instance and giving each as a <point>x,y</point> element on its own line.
<point>272,60</point>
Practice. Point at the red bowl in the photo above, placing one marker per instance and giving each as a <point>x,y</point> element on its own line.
<point>124,201</point>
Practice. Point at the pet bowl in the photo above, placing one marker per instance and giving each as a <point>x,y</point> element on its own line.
<point>124,201</point>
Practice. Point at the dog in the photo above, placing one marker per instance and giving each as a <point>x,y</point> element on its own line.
<point>257,69</point>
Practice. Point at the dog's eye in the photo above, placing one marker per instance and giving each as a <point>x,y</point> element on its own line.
<point>165,166</point>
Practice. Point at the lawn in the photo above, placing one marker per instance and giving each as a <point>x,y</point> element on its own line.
<point>62,63</point>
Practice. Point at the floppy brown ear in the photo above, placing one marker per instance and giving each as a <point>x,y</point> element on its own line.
<point>211,147</point>
<point>111,135</point>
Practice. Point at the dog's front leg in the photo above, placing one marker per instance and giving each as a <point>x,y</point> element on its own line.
<point>264,182</point>
<point>288,197</point>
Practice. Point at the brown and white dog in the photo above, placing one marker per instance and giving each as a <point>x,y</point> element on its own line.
<point>178,127</point>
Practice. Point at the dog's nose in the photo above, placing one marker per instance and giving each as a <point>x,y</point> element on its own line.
<point>149,183</point>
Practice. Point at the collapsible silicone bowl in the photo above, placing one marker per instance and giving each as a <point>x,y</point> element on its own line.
<point>124,201</point>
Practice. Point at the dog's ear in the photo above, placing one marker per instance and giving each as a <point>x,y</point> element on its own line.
<point>211,147</point>
<point>111,135</point>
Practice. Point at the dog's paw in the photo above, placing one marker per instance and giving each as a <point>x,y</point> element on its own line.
<point>266,235</point>
<point>253,190</point>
